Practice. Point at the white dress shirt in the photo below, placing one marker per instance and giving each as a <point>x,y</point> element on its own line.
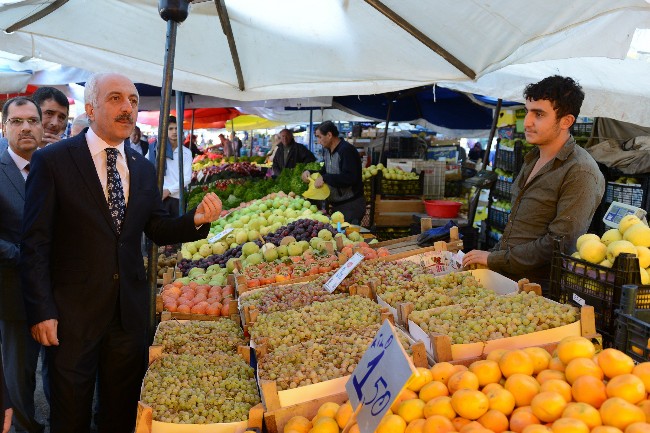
<point>172,177</point>
<point>97,148</point>
<point>20,162</point>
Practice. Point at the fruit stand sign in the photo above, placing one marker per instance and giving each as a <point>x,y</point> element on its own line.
<point>379,377</point>
<point>343,272</point>
<point>220,235</point>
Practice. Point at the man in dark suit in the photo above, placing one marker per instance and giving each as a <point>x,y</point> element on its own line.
<point>23,128</point>
<point>88,200</point>
<point>290,153</point>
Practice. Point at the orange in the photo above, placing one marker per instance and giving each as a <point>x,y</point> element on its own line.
<point>521,418</point>
<point>559,386</point>
<point>549,374</point>
<point>548,406</point>
<point>354,429</point>
<point>516,361</point>
<point>421,377</point>
<point>470,403</point>
<point>574,347</point>
<point>523,388</point>
<point>442,371</point>
<point>343,414</point>
<point>494,420</point>
<point>536,428</point>
<point>584,412</point>
<point>580,367</point>
<point>391,424</point>
<point>645,407</point>
<point>460,367</point>
<point>411,410</point>
<point>620,413</point>
<point>438,424</point>
<point>501,399</point>
<point>433,389</point>
<point>487,371</point>
<point>628,387</point>
<point>496,354</point>
<point>569,425</point>
<point>472,426</point>
<point>642,371</point>
<point>325,424</point>
<point>556,364</point>
<point>588,389</point>
<point>406,394</point>
<point>439,406</point>
<point>490,386</point>
<point>638,427</point>
<point>462,380</point>
<point>459,422</point>
<point>540,358</point>
<point>415,426</point>
<point>614,362</point>
<point>606,429</point>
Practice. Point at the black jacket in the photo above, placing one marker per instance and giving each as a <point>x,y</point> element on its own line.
<point>298,154</point>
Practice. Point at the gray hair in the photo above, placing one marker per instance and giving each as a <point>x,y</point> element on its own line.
<point>79,123</point>
<point>91,89</point>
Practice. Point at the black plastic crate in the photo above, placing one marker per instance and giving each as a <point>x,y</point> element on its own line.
<point>503,189</point>
<point>388,233</point>
<point>635,195</point>
<point>399,188</point>
<point>633,325</point>
<point>497,218</point>
<point>578,282</point>
<point>510,158</point>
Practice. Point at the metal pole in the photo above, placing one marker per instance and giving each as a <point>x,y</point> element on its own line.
<point>383,145</point>
<point>173,14</point>
<point>311,130</point>
<point>180,116</point>
<point>192,133</point>
<point>497,110</point>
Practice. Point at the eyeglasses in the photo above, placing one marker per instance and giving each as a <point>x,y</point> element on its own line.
<point>17,121</point>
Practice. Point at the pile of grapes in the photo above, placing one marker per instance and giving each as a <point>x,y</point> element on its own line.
<point>319,319</point>
<point>198,337</point>
<point>188,389</point>
<point>318,360</point>
<point>287,297</point>
<point>216,259</point>
<point>302,229</point>
<point>428,291</point>
<point>494,316</point>
<point>388,274</point>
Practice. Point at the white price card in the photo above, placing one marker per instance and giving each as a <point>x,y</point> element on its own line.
<point>222,234</point>
<point>343,272</point>
<point>379,378</point>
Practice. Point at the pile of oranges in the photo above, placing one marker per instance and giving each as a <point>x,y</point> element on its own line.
<point>527,390</point>
<point>197,298</point>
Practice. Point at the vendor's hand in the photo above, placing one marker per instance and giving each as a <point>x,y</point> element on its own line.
<point>476,257</point>
<point>165,194</point>
<point>45,332</point>
<point>208,210</point>
<point>319,182</point>
<point>305,176</point>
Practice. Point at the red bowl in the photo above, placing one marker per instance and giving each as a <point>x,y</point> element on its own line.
<point>442,208</point>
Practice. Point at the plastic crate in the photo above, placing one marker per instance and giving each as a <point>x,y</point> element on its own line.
<point>633,325</point>
<point>510,158</point>
<point>578,282</point>
<point>369,189</point>
<point>635,195</point>
<point>503,189</point>
<point>389,233</point>
<point>497,218</point>
<point>393,187</point>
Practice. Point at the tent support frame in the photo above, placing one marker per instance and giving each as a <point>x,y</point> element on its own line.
<point>227,30</point>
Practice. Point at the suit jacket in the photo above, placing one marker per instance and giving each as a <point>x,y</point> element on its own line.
<point>12,200</point>
<point>74,266</point>
<point>298,154</point>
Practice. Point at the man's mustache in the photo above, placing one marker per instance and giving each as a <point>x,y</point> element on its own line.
<point>124,117</point>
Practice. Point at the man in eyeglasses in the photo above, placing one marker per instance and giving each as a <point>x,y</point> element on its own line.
<point>22,127</point>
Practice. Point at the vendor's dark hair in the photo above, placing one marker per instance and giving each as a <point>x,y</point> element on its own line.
<point>564,94</point>
<point>172,119</point>
<point>46,93</point>
<point>327,127</point>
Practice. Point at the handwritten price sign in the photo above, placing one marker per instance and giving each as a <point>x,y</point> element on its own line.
<point>379,377</point>
<point>343,272</point>
<point>220,235</point>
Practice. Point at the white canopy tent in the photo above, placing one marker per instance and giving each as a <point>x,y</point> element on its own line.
<point>302,48</point>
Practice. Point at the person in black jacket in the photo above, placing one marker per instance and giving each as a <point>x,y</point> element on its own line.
<point>290,153</point>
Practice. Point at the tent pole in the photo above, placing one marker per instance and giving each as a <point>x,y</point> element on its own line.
<point>311,130</point>
<point>232,129</point>
<point>383,145</point>
<point>180,116</point>
<point>173,14</point>
<point>192,132</point>
<point>497,110</point>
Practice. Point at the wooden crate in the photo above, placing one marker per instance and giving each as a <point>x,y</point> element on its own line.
<point>409,243</point>
<point>275,420</point>
<point>396,213</point>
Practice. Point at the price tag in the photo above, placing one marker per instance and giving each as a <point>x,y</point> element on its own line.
<point>199,175</point>
<point>578,300</point>
<point>343,272</point>
<point>379,377</point>
<point>220,235</point>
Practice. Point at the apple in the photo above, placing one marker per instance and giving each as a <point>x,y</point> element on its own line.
<point>638,234</point>
<point>593,251</point>
<point>250,248</point>
<point>626,222</point>
<point>618,247</point>
<point>610,236</point>
<point>584,238</point>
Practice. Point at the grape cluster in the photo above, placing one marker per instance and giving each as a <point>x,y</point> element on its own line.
<point>313,321</point>
<point>389,273</point>
<point>197,337</point>
<point>320,359</point>
<point>287,297</point>
<point>188,389</point>
<point>508,316</point>
<point>302,229</point>
<point>216,259</point>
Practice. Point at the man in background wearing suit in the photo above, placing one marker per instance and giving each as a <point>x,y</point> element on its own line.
<point>88,200</point>
<point>23,128</point>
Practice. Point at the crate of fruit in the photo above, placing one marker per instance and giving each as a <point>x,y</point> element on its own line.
<point>633,325</point>
<point>503,188</point>
<point>399,183</point>
<point>497,217</point>
<point>509,156</point>
<point>628,189</point>
<point>579,282</point>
